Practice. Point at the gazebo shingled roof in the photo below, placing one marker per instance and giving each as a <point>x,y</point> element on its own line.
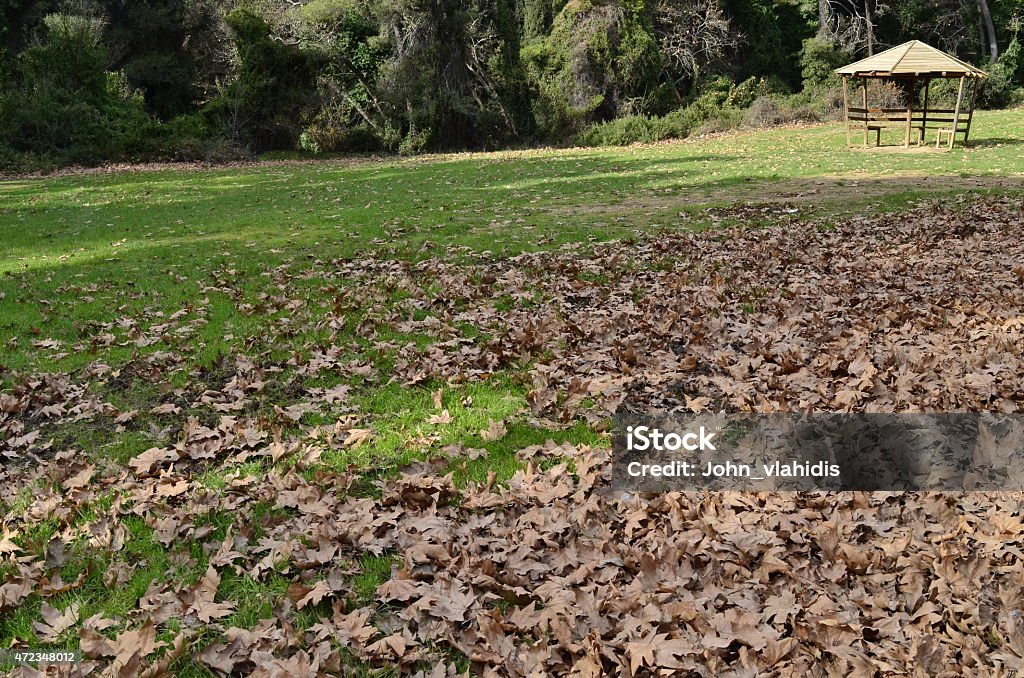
<point>913,58</point>
<point>911,64</point>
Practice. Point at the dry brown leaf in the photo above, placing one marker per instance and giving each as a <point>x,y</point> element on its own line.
<point>495,430</point>
<point>53,622</point>
<point>151,458</point>
<point>203,598</point>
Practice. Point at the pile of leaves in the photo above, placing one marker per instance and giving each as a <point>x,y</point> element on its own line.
<point>551,572</point>
<point>892,313</point>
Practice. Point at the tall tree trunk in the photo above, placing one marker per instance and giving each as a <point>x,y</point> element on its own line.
<point>990,29</point>
<point>824,19</point>
<point>870,27</point>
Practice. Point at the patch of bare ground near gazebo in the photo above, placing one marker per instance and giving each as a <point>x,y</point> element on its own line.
<point>833,194</point>
<point>552,573</point>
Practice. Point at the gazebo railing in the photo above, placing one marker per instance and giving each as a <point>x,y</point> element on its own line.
<point>912,116</point>
<point>869,120</point>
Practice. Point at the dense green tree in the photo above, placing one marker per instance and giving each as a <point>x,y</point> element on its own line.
<point>452,71</point>
<point>266,105</point>
<point>771,36</point>
<point>149,41</point>
<point>336,75</point>
<point>355,50</point>
<point>62,101</point>
<point>19,21</point>
<point>600,60</point>
<point>818,61</point>
<point>538,16</point>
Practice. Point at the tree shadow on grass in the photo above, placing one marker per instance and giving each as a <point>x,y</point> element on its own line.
<point>992,142</point>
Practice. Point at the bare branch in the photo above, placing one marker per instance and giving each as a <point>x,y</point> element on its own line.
<point>691,34</point>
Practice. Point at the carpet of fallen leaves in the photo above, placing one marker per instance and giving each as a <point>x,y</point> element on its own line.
<point>552,573</point>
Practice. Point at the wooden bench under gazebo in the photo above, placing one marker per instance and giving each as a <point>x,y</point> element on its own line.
<point>910,66</point>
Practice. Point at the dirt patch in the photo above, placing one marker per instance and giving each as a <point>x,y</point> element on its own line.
<point>843,194</point>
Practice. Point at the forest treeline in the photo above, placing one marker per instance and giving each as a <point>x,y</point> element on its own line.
<point>90,81</point>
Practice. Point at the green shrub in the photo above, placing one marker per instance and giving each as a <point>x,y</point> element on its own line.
<point>1001,88</point>
<point>415,141</point>
<point>997,91</point>
<point>265,106</point>
<point>319,139</point>
<point>818,61</point>
<point>717,106</point>
<point>744,94</point>
<point>720,103</point>
<point>695,115</point>
<point>941,93</point>
<point>724,120</point>
<point>189,138</point>
<point>676,124</point>
<point>631,129</point>
<point>310,143</point>
<point>679,124</point>
<point>390,135</point>
<point>713,90</point>
<point>63,105</point>
<point>710,112</point>
<point>10,161</point>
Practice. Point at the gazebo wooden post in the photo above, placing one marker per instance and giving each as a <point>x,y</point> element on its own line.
<point>956,113</point>
<point>846,109</point>
<point>924,111</point>
<point>970,113</point>
<point>864,99</point>
<point>910,111</point>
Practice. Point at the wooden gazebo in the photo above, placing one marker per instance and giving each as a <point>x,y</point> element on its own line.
<point>911,65</point>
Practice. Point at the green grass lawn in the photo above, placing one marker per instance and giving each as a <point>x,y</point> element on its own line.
<point>109,269</point>
<point>110,254</point>
<point>74,248</point>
